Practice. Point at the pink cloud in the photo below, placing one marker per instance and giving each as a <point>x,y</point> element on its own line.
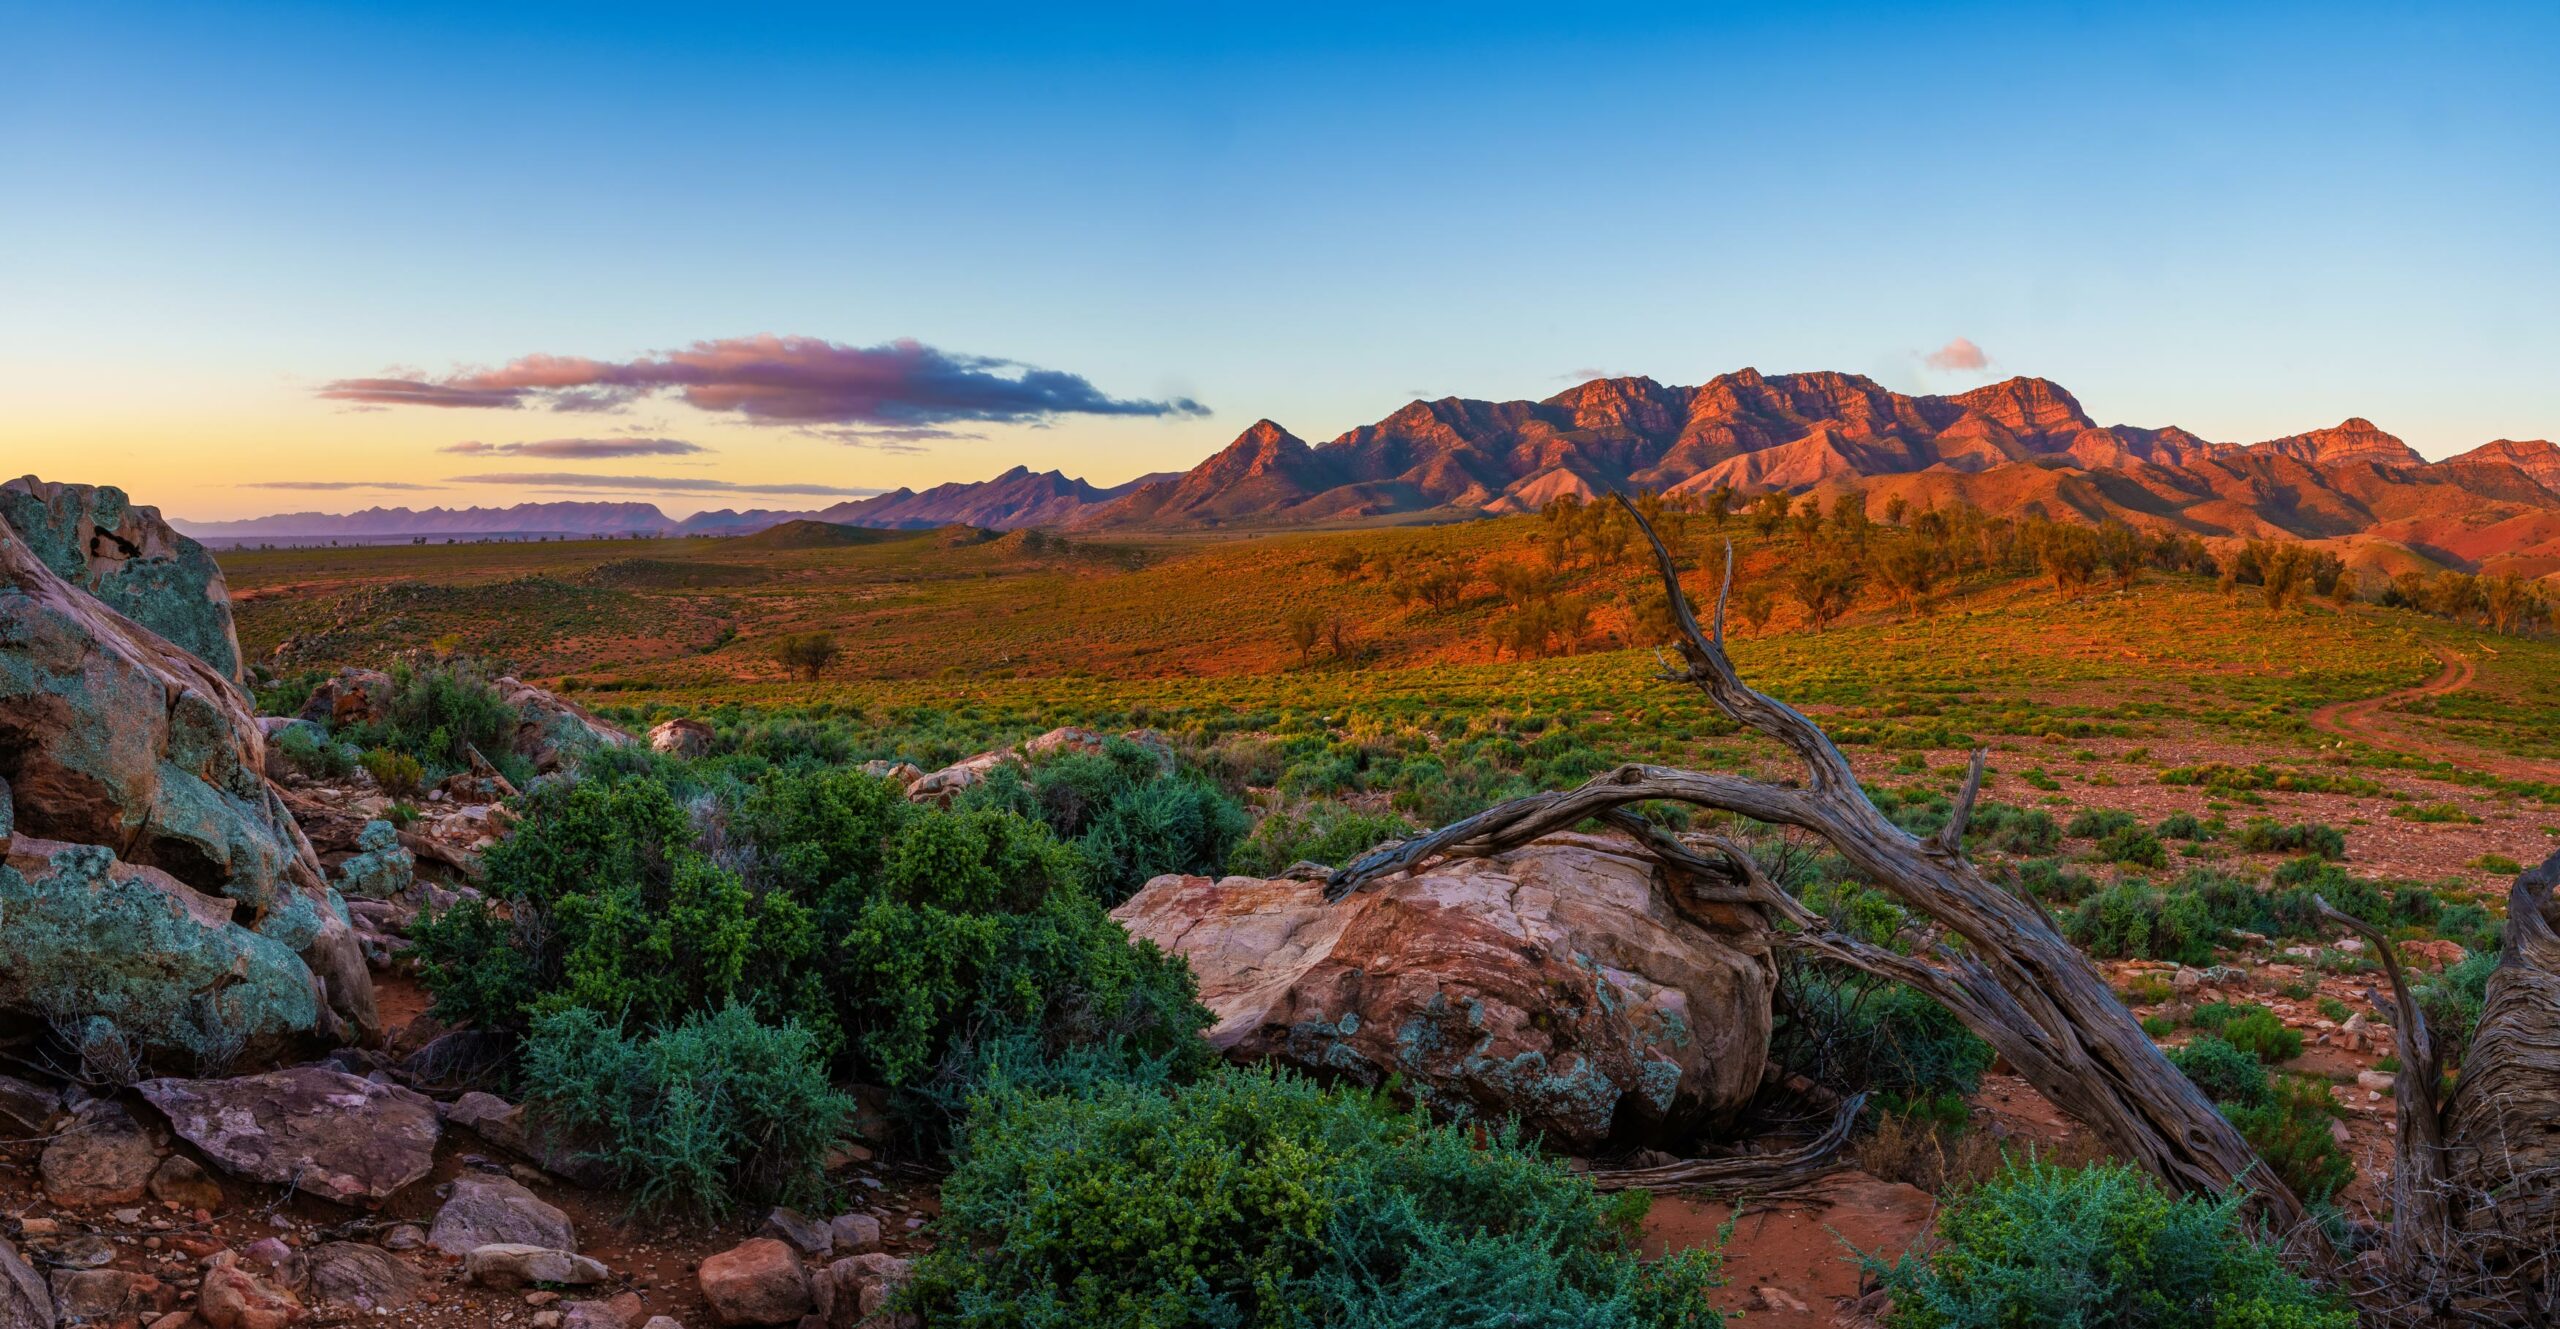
<point>1957,354</point>
<point>778,380</point>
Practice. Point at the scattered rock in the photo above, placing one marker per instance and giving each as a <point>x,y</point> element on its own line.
<point>682,737</point>
<point>551,732</point>
<point>906,773</point>
<point>1776,1299</point>
<point>25,1301</point>
<point>512,1265</point>
<point>351,696</point>
<point>365,1277</point>
<point>180,1182</point>
<point>2379,1082</point>
<point>808,1234</point>
<point>621,1311</point>
<point>855,1234</point>
<point>405,1237</point>
<point>85,1296</point>
<point>759,1282</point>
<point>2338,1133</point>
<point>505,1125</point>
<point>486,1210</point>
<point>865,1282</point>
<point>381,868</point>
<point>323,1131</point>
<point>231,1297</point>
<point>105,1158</point>
<point>25,1109</point>
<point>663,1322</point>
<point>1553,983</point>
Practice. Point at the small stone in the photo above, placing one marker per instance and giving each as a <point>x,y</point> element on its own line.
<point>27,1109</point>
<point>406,1237</point>
<point>662,1322</point>
<point>234,1298</point>
<point>2379,1082</point>
<point>507,1265</point>
<point>1776,1299</point>
<point>105,1158</point>
<point>541,1298</point>
<point>546,1320</point>
<point>2338,1132</point>
<point>180,1183</point>
<point>759,1281</point>
<point>808,1234</point>
<point>855,1233</point>
<point>39,1227</point>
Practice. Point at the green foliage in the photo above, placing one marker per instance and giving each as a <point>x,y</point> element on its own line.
<point>2225,778</point>
<point>2012,830</point>
<point>2265,835</point>
<point>2099,823</point>
<point>2181,826</point>
<point>399,774</point>
<point>1257,1199</point>
<point>2496,865</point>
<point>895,934</point>
<point>2098,1247</point>
<point>1133,816</point>
<point>718,1111</point>
<point>439,714</point>
<point>2225,1073</point>
<point>2433,812</point>
<point>308,749</point>
<point>2473,928</point>
<point>2133,846</point>
<point>2252,1029</point>
<point>286,695</point>
<point>2048,879</point>
<point>1327,832</point>
<point>2452,1000</point>
<point>2290,1131</point>
<point>2132,920</point>
<point>1854,1032</point>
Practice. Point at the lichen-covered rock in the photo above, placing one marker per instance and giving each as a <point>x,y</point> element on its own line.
<point>550,731</point>
<point>323,1131</point>
<point>95,938</point>
<point>113,738</point>
<point>683,736</point>
<point>131,560</point>
<point>486,1210</point>
<point>1554,983</point>
<point>380,868</point>
<point>350,696</point>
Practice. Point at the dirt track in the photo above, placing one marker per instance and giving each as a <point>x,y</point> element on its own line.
<point>2359,720</point>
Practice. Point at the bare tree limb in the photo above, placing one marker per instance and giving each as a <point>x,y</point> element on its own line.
<point>1950,837</point>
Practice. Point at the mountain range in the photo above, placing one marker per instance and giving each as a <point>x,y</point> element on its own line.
<point>2022,446</point>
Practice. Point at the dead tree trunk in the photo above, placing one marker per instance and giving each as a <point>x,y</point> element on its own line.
<point>2014,981</point>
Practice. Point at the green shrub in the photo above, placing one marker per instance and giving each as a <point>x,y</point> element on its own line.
<point>2099,823</point>
<point>2496,865</point>
<point>440,714</point>
<point>894,933</point>
<point>2047,879</point>
<point>2290,1131</point>
<point>2133,846</point>
<point>304,748</point>
<point>2451,1000</point>
<point>1854,1032</point>
<point>715,1112</point>
<point>2225,1073</point>
<point>1256,1198</point>
<point>2012,830</point>
<point>2098,1247</point>
<point>2433,812</point>
<point>1328,832</point>
<point>399,774</point>
<point>2181,826</point>
<point>2251,1028</point>
<point>2471,927</point>
<point>2130,920</point>
<point>1134,817</point>
<point>2264,835</point>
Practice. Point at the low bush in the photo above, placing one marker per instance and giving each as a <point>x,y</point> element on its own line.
<point>1327,832</point>
<point>2047,879</point>
<point>2452,999</point>
<point>2265,835</point>
<point>2181,826</point>
<point>2252,1029</point>
<point>1133,816</point>
<point>1856,1033</point>
<point>2010,829</point>
<point>399,774</point>
<point>440,714</point>
<point>894,933</point>
<point>1257,1198</point>
<point>713,1113</point>
<point>2225,1073</point>
<point>2098,1247</point>
<point>2471,927</point>
<point>303,748</point>
<point>2132,846</point>
<point>2099,823</point>
<point>2290,1131</point>
<point>2132,920</point>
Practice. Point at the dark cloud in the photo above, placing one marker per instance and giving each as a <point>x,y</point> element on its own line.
<point>911,439</point>
<point>656,484</point>
<point>580,449</point>
<point>1959,354</point>
<point>333,484</point>
<point>779,380</point>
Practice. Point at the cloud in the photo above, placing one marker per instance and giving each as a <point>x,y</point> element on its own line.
<point>1586,375</point>
<point>655,484</point>
<point>910,439</point>
<point>333,484</point>
<point>1957,354</point>
<point>778,380</point>
<point>580,449</point>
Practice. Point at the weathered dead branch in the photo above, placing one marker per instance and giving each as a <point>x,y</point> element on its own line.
<point>1751,1174</point>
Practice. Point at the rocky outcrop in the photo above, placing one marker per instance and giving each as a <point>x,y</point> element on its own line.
<point>327,1132</point>
<point>550,731</point>
<point>137,786</point>
<point>1554,984</point>
<point>350,696</point>
<point>683,736</point>
<point>131,560</point>
<point>940,787</point>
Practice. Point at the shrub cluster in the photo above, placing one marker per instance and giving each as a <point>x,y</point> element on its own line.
<point>2100,1247</point>
<point>1131,811</point>
<point>1327,832</point>
<point>1253,1198</point>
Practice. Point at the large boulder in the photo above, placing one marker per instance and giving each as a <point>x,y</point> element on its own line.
<point>551,731</point>
<point>487,1210</point>
<point>114,740</point>
<point>683,736</point>
<point>323,1131</point>
<point>1554,983</point>
<point>131,560</point>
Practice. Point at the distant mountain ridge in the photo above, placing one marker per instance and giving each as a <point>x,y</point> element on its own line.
<point>2023,445</point>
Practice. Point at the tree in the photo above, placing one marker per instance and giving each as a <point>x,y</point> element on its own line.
<point>1306,627</point>
<point>806,654</point>
<point>1769,512</point>
<point>2070,557</point>
<point>1894,509</point>
<point>1827,586</point>
<point>2120,552</point>
<point>1908,570</point>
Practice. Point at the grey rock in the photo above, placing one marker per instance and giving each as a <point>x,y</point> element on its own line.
<point>365,1277</point>
<point>25,1108</point>
<point>104,1158</point>
<point>25,1301</point>
<point>322,1131</point>
<point>512,1265</point>
<point>810,1236</point>
<point>488,1210</point>
<point>855,1234</point>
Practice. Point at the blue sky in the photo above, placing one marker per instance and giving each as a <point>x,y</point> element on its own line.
<point>2246,220</point>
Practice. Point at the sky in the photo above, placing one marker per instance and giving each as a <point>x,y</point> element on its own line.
<point>259,258</point>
